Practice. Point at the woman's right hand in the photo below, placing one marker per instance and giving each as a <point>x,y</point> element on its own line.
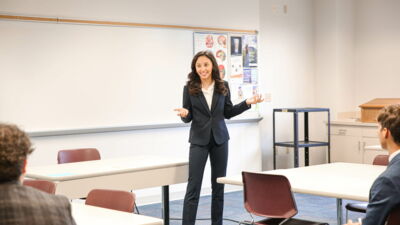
<point>182,112</point>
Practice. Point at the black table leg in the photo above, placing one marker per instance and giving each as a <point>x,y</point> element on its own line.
<point>306,154</point>
<point>165,204</point>
<point>273,138</point>
<point>296,140</point>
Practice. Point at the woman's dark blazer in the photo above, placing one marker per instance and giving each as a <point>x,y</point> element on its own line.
<point>206,122</point>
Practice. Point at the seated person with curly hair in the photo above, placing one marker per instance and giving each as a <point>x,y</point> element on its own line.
<point>21,205</point>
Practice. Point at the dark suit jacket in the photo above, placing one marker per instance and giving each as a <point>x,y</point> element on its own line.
<point>384,194</point>
<point>206,122</point>
<point>22,205</point>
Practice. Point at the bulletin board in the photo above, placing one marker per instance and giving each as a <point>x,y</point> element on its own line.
<point>236,55</point>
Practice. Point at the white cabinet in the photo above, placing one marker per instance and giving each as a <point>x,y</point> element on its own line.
<point>349,139</point>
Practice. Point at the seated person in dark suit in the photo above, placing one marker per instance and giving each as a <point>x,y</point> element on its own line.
<point>22,205</point>
<point>385,192</point>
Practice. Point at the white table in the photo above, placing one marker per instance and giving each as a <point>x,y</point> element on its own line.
<point>91,215</point>
<point>337,180</point>
<point>75,180</point>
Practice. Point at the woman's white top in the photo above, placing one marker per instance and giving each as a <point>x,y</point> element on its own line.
<point>208,93</point>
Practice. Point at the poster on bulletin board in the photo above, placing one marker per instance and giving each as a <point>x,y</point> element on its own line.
<point>236,56</point>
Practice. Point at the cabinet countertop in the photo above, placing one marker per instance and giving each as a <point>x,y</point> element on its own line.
<point>352,123</point>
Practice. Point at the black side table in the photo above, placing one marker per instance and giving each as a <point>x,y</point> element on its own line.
<point>306,143</point>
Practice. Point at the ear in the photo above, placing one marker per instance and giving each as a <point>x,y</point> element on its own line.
<point>24,166</point>
<point>387,133</point>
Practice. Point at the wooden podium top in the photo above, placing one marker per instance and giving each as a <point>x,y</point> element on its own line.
<point>380,102</point>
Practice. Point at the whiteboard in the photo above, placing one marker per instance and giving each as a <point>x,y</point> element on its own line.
<point>59,76</point>
<point>69,76</point>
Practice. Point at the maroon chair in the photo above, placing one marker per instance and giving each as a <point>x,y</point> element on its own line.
<point>43,185</point>
<point>270,196</point>
<point>381,160</point>
<point>394,217</point>
<point>77,155</point>
<point>111,199</point>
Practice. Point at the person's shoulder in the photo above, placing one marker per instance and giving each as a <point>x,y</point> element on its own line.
<point>392,171</point>
<point>394,164</point>
<point>388,181</point>
<point>46,198</point>
<point>46,208</point>
<point>396,160</point>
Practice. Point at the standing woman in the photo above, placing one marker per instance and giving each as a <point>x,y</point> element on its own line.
<point>207,103</point>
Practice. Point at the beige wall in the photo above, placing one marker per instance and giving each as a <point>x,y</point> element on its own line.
<point>334,55</point>
<point>356,52</point>
<point>287,70</point>
<point>377,50</point>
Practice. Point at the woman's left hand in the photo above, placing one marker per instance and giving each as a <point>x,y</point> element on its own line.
<point>255,99</point>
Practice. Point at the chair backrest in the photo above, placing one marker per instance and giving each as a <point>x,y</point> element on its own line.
<point>111,199</point>
<point>43,185</point>
<point>382,160</point>
<point>394,217</point>
<point>268,195</point>
<point>77,155</point>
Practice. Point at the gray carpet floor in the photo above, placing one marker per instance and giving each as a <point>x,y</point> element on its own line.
<point>310,207</point>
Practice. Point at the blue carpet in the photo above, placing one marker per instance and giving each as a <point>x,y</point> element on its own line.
<point>309,206</point>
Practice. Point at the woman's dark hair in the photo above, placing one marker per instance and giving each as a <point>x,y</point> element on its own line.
<point>194,82</point>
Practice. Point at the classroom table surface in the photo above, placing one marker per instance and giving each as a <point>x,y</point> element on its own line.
<point>76,180</point>
<point>337,180</point>
<point>92,215</point>
<point>78,170</point>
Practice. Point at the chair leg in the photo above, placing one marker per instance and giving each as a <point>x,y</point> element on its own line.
<point>137,210</point>
<point>284,221</point>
